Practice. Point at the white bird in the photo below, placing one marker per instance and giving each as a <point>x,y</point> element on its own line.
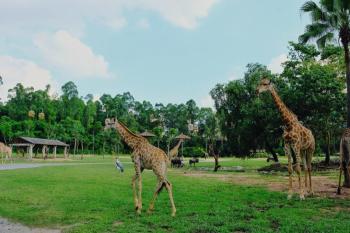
<point>119,166</point>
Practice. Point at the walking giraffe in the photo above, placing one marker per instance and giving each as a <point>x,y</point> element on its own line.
<point>296,137</point>
<point>145,156</point>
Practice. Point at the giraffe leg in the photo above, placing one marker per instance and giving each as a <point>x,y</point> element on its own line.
<point>296,149</point>
<point>137,190</point>
<point>169,188</point>
<point>159,188</point>
<point>139,195</point>
<point>339,183</point>
<point>305,170</point>
<point>309,169</point>
<point>290,169</point>
<point>134,179</point>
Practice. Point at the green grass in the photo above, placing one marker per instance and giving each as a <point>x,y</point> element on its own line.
<point>97,198</point>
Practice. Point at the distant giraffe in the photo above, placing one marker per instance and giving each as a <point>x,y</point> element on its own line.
<point>175,150</point>
<point>7,151</point>
<point>145,156</point>
<point>296,137</point>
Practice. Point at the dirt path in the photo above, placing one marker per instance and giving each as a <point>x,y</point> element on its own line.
<point>13,166</point>
<point>322,185</point>
<point>11,227</point>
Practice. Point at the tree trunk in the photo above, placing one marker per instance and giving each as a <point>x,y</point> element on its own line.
<point>345,42</point>
<point>75,145</point>
<point>328,149</point>
<point>217,166</point>
<point>82,150</point>
<point>347,65</point>
<point>93,142</point>
<point>272,151</point>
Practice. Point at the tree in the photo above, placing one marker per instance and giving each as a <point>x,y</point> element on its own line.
<point>70,90</point>
<point>330,19</point>
<point>158,131</point>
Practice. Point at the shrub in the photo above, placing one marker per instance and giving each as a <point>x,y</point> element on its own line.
<point>193,151</point>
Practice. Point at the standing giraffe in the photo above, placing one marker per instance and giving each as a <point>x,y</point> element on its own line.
<point>296,137</point>
<point>145,156</point>
<point>344,158</point>
<point>175,150</point>
<point>7,151</point>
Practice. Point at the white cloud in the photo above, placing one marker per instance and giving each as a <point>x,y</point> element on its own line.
<point>30,16</point>
<point>68,53</point>
<point>276,63</point>
<point>143,24</point>
<point>182,13</point>
<point>206,102</point>
<point>14,70</point>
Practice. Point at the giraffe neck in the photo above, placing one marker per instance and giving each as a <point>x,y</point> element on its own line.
<point>287,116</point>
<point>129,137</point>
<point>178,145</point>
<point>173,152</point>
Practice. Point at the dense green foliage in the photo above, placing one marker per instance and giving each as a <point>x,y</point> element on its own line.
<point>311,84</point>
<point>80,121</point>
<point>330,21</point>
<point>311,88</point>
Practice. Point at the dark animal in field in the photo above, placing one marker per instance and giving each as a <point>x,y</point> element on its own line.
<point>177,162</point>
<point>344,159</point>
<point>193,161</point>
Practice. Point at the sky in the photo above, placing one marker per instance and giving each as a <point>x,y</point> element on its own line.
<point>163,51</point>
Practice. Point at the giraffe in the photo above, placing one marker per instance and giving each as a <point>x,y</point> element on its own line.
<point>5,150</point>
<point>344,158</point>
<point>175,150</point>
<point>297,138</point>
<point>144,156</point>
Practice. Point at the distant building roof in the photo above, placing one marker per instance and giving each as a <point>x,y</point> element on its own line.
<point>39,141</point>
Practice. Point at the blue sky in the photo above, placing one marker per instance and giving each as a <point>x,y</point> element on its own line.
<point>159,50</point>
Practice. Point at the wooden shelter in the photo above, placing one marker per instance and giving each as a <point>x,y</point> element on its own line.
<point>30,143</point>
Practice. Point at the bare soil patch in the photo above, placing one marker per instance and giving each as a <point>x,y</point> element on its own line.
<point>322,185</point>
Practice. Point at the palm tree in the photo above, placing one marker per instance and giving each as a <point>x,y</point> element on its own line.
<point>330,20</point>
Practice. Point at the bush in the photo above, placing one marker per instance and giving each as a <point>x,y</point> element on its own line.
<point>193,151</point>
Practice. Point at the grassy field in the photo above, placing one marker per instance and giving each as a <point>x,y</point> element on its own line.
<point>94,197</point>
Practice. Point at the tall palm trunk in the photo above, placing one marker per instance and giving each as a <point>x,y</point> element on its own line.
<point>345,42</point>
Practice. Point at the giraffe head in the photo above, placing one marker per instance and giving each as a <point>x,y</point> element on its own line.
<point>264,85</point>
<point>110,123</point>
